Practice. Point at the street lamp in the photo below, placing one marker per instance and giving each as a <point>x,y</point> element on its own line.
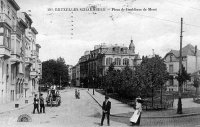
<point>93,84</point>
<point>88,85</point>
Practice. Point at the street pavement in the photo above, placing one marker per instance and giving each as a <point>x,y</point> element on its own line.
<point>83,112</point>
<point>86,112</point>
<point>120,109</point>
<point>165,118</point>
<point>11,105</point>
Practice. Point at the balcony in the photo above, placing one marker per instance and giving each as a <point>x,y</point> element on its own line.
<point>4,51</point>
<point>34,53</point>
<point>4,18</point>
<point>28,61</point>
<point>26,81</point>
<point>33,74</point>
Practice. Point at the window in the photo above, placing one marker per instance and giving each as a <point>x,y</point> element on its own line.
<point>2,6</point>
<point>171,82</point>
<point>170,68</point>
<point>1,40</point>
<point>108,61</point>
<point>170,58</point>
<point>1,29</point>
<point>125,61</point>
<point>117,61</point>
<point>8,11</point>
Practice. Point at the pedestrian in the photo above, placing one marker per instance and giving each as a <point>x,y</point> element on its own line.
<point>78,94</point>
<point>42,107</point>
<point>106,110</point>
<point>135,119</point>
<point>36,104</point>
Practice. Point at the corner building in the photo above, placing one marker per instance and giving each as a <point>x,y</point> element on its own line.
<point>16,53</point>
<point>95,63</point>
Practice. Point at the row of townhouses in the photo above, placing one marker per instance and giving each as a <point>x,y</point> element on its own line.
<point>20,66</point>
<point>95,63</point>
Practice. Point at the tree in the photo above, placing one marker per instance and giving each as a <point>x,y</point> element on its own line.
<point>127,82</point>
<point>152,74</point>
<point>182,78</point>
<point>196,83</point>
<point>110,77</point>
<point>54,72</point>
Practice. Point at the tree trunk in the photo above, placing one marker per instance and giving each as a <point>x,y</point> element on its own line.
<point>196,91</point>
<point>179,108</point>
<point>152,96</point>
<point>161,97</point>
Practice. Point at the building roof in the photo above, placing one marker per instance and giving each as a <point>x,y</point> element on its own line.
<point>38,45</point>
<point>23,23</point>
<point>131,45</point>
<point>28,17</point>
<point>187,50</point>
<point>34,30</point>
<point>14,4</point>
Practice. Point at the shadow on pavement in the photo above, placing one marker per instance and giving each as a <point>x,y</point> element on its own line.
<point>97,123</point>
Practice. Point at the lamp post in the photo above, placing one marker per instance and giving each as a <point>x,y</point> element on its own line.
<point>179,108</point>
<point>93,84</point>
<point>88,85</point>
<point>100,80</point>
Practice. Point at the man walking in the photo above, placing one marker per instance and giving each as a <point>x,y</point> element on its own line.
<point>106,110</point>
<point>35,103</point>
<point>42,107</point>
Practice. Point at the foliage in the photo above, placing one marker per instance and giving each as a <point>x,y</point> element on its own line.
<point>54,72</point>
<point>152,73</point>
<point>184,76</point>
<point>129,83</point>
<point>196,84</point>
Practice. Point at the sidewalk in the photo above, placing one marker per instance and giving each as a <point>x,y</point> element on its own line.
<point>118,109</point>
<point>10,106</point>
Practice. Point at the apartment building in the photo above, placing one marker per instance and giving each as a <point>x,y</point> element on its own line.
<point>17,49</point>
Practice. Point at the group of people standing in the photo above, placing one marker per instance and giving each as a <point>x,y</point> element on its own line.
<point>77,94</point>
<point>135,119</point>
<point>38,101</point>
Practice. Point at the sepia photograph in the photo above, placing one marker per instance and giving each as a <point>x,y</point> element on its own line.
<point>92,63</point>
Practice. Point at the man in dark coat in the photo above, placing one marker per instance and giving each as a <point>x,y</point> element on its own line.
<point>42,107</point>
<point>106,110</point>
<point>36,104</point>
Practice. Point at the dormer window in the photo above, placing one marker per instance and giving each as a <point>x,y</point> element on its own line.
<point>170,58</point>
<point>113,49</point>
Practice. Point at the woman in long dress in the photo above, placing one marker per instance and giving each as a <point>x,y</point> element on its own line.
<point>137,112</point>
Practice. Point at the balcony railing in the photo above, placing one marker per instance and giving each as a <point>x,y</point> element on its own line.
<point>4,18</point>
<point>34,53</point>
<point>4,51</point>
<point>28,60</point>
<point>33,73</point>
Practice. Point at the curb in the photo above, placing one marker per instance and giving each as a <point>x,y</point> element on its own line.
<point>94,99</point>
<point>152,117</point>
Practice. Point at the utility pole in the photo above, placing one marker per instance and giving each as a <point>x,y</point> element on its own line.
<point>93,85</point>
<point>179,108</point>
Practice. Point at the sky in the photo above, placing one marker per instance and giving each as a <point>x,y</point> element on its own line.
<point>68,34</point>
